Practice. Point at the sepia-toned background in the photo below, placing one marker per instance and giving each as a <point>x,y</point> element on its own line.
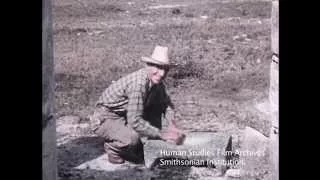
<point>221,83</point>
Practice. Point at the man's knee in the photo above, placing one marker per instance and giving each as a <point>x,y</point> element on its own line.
<point>126,138</point>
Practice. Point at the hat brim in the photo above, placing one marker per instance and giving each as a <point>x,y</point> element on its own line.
<point>151,60</point>
<point>154,61</point>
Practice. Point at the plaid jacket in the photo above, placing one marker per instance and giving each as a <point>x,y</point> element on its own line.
<point>130,95</point>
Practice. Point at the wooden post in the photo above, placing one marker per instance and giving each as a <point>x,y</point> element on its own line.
<point>49,160</point>
<point>274,91</point>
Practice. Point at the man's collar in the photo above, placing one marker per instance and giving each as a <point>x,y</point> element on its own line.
<point>150,84</point>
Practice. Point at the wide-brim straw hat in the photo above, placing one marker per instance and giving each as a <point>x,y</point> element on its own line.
<point>159,56</point>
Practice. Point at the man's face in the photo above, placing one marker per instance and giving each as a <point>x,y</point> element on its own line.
<point>157,73</point>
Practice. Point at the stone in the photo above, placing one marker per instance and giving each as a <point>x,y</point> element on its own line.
<point>258,60</point>
<point>233,173</point>
<point>254,152</point>
<point>204,17</point>
<point>198,149</point>
<point>235,37</point>
<point>102,163</point>
<point>69,119</point>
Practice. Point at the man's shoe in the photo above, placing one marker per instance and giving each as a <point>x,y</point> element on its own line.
<point>115,159</point>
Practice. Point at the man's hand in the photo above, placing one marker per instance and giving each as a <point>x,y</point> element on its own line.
<point>173,137</point>
<point>173,134</point>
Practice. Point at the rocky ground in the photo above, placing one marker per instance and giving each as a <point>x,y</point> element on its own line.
<point>221,83</point>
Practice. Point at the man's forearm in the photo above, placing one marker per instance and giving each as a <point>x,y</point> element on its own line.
<point>144,128</point>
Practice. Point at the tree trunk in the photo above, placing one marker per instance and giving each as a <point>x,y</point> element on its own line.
<point>49,160</point>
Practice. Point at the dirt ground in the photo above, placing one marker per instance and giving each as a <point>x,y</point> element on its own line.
<point>222,48</point>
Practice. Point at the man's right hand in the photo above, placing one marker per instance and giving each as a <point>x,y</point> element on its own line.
<point>173,135</point>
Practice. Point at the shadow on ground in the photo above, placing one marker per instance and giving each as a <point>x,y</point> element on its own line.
<point>138,174</point>
<point>84,149</point>
<point>78,151</point>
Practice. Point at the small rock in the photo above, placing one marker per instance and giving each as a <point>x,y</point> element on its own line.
<point>211,41</point>
<point>258,61</point>
<point>98,32</point>
<point>83,166</point>
<point>176,11</point>
<point>234,173</point>
<point>234,19</point>
<point>236,37</point>
<point>204,17</point>
<point>69,119</point>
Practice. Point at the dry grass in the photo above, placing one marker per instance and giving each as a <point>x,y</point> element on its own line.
<point>206,52</point>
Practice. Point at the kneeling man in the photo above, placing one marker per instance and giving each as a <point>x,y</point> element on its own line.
<point>136,106</point>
